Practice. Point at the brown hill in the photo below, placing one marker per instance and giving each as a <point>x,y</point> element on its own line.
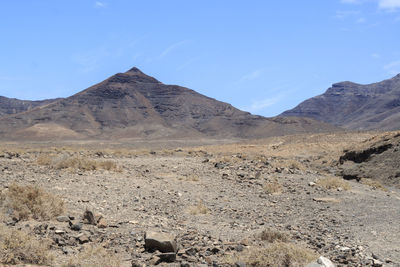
<point>12,106</point>
<point>135,105</point>
<point>355,106</point>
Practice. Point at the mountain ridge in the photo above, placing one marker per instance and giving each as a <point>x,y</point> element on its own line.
<point>135,105</point>
<point>354,106</point>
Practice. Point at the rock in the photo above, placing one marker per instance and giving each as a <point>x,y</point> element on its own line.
<point>62,219</point>
<point>167,257</point>
<point>326,199</point>
<point>76,226</point>
<point>83,239</point>
<point>160,241</point>
<point>377,263</point>
<point>102,223</point>
<point>89,218</point>
<point>321,262</point>
<point>240,264</point>
<point>59,232</point>
<point>311,184</point>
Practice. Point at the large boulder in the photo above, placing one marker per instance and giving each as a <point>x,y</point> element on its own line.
<point>160,241</point>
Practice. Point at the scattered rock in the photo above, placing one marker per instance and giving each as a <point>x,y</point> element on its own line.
<point>89,218</point>
<point>326,199</point>
<point>62,219</point>
<point>321,262</point>
<point>160,241</point>
<point>76,226</point>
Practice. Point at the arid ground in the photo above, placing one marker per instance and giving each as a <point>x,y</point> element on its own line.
<point>272,202</point>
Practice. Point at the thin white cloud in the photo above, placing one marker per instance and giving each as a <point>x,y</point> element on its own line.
<point>390,5</point>
<point>172,47</point>
<point>253,75</point>
<point>188,63</point>
<point>387,5</point>
<point>361,20</point>
<point>375,55</point>
<point>342,14</point>
<point>259,105</point>
<point>393,68</point>
<point>351,1</point>
<point>99,4</point>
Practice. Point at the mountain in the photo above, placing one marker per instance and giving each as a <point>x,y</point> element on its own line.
<point>355,106</point>
<point>12,106</point>
<point>134,105</point>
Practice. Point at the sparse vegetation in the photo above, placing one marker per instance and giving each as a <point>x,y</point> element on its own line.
<point>333,183</point>
<point>27,201</point>
<point>277,254</point>
<point>376,185</point>
<point>199,209</point>
<point>17,247</point>
<point>273,187</point>
<point>94,256</point>
<point>77,163</point>
<point>271,236</point>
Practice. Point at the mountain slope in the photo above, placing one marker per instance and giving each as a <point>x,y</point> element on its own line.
<point>12,106</point>
<point>135,105</point>
<point>354,106</point>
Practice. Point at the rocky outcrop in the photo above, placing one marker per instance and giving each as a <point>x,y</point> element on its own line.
<point>355,106</point>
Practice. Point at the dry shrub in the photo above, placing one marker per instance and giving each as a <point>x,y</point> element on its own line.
<point>77,163</point>
<point>31,201</point>
<point>17,247</point>
<point>94,256</point>
<point>376,185</point>
<point>44,159</point>
<point>333,183</point>
<point>273,187</point>
<point>271,236</point>
<point>278,254</point>
<point>200,208</point>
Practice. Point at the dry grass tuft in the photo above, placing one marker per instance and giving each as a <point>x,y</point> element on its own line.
<point>278,254</point>
<point>271,236</point>
<point>199,209</point>
<point>94,256</point>
<point>17,247</point>
<point>376,185</point>
<point>31,202</point>
<point>77,163</point>
<point>273,187</point>
<point>333,183</point>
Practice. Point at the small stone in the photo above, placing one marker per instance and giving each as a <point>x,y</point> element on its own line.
<point>88,218</point>
<point>83,239</point>
<point>59,232</point>
<point>311,184</point>
<point>102,223</point>
<point>62,219</point>
<point>240,264</point>
<point>76,226</point>
<point>160,241</point>
<point>321,262</point>
<point>167,257</point>
<point>377,263</point>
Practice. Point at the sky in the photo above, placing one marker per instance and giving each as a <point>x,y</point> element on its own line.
<point>260,56</point>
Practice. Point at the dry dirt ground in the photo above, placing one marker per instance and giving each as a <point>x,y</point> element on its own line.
<point>217,200</point>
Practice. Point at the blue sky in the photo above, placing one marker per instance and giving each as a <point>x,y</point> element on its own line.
<point>260,56</point>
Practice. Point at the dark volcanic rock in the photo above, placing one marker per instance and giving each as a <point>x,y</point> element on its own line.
<point>10,106</point>
<point>354,106</point>
<point>135,105</point>
<point>378,159</point>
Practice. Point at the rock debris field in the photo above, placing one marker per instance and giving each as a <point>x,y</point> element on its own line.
<point>273,202</point>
